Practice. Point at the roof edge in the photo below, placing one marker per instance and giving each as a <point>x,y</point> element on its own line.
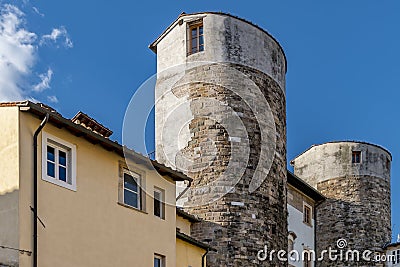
<point>186,215</point>
<point>106,143</point>
<point>193,241</point>
<point>396,244</point>
<point>304,187</point>
<point>344,141</point>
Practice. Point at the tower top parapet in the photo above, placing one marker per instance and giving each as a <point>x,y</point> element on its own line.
<point>179,21</point>
<point>342,158</point>
<point>215,37</point>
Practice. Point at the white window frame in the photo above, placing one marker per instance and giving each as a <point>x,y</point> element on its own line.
<point>59,145</point>
<point>162,202</point>
<point>137,177</point>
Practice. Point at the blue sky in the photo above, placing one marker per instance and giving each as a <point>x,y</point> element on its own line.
<point>343,73</point>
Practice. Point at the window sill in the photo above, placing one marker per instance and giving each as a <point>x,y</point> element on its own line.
<point>60,183</point>
<point>195,53</point>
<point>132,208</point>
<point>160,218</point>
<point>308,224</point>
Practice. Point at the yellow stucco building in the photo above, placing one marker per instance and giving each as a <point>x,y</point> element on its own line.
<point>97,204</point>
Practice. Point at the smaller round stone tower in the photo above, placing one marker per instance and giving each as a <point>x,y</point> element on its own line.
<point>355,178</point>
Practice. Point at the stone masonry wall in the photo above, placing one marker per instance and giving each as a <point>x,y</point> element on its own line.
<point>239,223</point>
<point>357,209</point>
<point>221,119</point>
<point>358,205</point>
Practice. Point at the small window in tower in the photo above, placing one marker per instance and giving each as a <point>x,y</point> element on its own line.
<point>195,38</point>
<point>356,157</point>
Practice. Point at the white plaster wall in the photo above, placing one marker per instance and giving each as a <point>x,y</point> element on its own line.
<point>226,39</point>
<point>304,232</point>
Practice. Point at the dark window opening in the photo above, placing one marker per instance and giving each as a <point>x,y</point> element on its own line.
<point>307,215</point>
<point>307,259</point>
<point>159,206</point>
<point>356,157</point>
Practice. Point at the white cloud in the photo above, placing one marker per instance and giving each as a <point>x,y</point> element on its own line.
<point>45,81</point>
<point>37,11</point>
<point>57,33</point>
<point>52,99</point>
<point>17,53</point>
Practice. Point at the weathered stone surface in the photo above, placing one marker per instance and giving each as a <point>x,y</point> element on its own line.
<point>221,119</point>
<point>231,227</point>
<point>357,208</point>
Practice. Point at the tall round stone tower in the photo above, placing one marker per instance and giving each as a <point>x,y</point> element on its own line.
<point>355,178</point>
<point>221,119</point>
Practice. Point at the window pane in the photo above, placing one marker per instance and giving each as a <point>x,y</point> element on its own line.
<point>130,182</point>
<point>50,153</point>
<point>157,262</point>
<point>157,207</point>
<point>194,32</point>
<point>157,195</point>
<point>356,157</point>
<point>201,30</point>
<point>131,198</point>
<point>201,40</point>
<point>62,173</point>
<point>194,44</point>
<point>62,158</point>
<point>51,170</point>
<point>201,48</point>
<point>307,214</point>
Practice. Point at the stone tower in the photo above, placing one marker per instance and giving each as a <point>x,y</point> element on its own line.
<point>221,119</point>
<point>355,178</point>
